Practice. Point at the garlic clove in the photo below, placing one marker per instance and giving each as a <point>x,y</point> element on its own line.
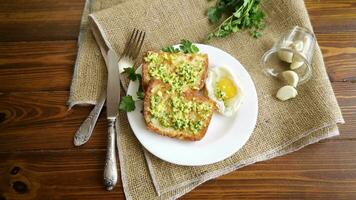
<point>297,45</point>
<point>286,92</point>
<point>296,65</point>
<point>290,77</point>
<point>285,56</point>
<point>297,61</point>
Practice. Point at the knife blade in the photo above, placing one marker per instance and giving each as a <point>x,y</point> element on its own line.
<point>113,85</point>
<point>112,102</point>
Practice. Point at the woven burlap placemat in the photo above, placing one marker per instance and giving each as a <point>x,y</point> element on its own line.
<point>282,127</point>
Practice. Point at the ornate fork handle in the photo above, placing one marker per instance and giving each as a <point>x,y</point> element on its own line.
<point>85,130</point>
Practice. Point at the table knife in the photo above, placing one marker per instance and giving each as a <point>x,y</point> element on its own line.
<point>112,102</point>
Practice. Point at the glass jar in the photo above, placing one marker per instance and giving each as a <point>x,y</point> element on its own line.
<point>293,51</point>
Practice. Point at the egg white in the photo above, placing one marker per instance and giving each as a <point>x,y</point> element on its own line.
<point>233,104</point>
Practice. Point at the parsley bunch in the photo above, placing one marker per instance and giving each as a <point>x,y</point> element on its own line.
<point>244,14</point>
<point>127,103</point>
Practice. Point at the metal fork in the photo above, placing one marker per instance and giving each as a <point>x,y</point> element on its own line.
<point>130,54</point>
<point>127,59</point>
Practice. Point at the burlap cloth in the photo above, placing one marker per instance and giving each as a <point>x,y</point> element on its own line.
<point>282,127</point>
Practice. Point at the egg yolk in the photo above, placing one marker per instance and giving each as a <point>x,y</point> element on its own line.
<point>227,87</point>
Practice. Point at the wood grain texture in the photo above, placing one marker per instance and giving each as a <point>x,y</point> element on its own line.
<point>36,66</point>
<point>48,65</point>
<point>41,121</point>
<point>332,16</point>
<point>43,20</point>
<point>59,20</point>
<point>37,157</point>
<point>327,171</point>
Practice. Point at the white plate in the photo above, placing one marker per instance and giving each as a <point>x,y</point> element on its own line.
<point>225,135</point>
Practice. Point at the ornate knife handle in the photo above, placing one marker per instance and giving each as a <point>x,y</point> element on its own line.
<point>110,171</point>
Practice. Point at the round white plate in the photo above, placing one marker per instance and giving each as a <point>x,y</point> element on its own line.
<point>225,135</point>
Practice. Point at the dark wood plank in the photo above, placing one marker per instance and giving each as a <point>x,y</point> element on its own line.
<point>36,66</point>
<point>339,52</point>
<point>69,174</point>
<point>42,121</point>
<point>22,20</point>
<point>332,16</point>
<point>59,20</point>
<point>34,121</point>
<point>39,66</point>
<point>346,97</point>
<point>320,171</point>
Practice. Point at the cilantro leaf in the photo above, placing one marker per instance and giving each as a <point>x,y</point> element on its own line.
<point>127,104</point>
<point>187,46</point>
<point>140,95</point>
<point>214,14</point>
<point>243,15</point>
<point>131,74</point>
<point>170,49</point>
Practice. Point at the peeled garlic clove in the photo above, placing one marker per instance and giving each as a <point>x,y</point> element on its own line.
<point>290,77</point>
<point>297,61</point>
<point>286,92</point>
<point>285,56</point>
<point>296,65</point>
<point>297,45</point>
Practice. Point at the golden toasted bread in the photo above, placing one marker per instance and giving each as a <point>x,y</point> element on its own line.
<point>184,71</point>
<point>185,116</point>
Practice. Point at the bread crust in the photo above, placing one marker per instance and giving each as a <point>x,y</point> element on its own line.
<point>174,133</point>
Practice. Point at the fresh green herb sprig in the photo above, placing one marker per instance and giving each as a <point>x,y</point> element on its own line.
<point>244,15</point>
<point>185,46</point>
<point>127,103</point>
<point>170,49</point>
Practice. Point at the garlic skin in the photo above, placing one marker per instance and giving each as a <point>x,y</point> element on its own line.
<point>285,56</point>
<point>290,77</point>
<point>286,92</point>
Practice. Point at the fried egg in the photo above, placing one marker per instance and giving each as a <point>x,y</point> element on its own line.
<point>223,88</point>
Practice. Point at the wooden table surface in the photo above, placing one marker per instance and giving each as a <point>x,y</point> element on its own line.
<point>37,157</point>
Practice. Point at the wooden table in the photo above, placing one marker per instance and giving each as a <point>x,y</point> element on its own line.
<point>38,160</point>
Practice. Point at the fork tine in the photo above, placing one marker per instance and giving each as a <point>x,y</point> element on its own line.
<point>139,45</point>
<point>137,42</point>
<point>133,43</point>
<point>128,44</point>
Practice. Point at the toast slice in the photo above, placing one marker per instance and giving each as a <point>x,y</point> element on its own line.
<point>185,116</point>
<point>183,71</point>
